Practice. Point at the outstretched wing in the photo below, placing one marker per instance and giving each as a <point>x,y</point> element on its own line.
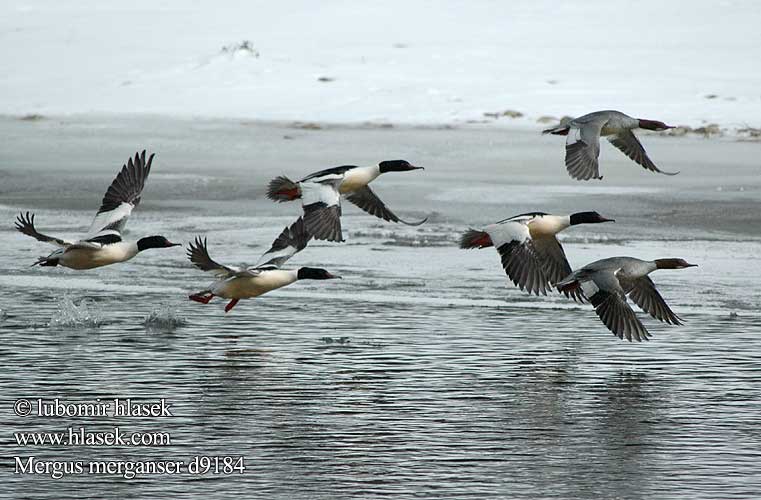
<point>122,196</point>
<point>646,296</point>
<point>368,201</point>
<point>582,148</point>
<point>618,316</point>
<point>609,300</point>
<point>628,143</point>
<point>555,263</point>
<point>520,260</point>
<point>25,224</point>
<point>292,240</point>
<point>199,256</point>
<point>322,207</point>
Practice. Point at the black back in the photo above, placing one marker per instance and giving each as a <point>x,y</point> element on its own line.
<point>329,171</point>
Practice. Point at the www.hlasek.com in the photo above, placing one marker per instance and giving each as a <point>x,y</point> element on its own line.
<point>113,437</point>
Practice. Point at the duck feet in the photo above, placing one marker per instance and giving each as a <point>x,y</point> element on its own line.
<point>230,305</point>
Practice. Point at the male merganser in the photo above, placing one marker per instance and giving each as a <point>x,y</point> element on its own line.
<point>103,243</point>
<point>607,282</point>
<point>321,192</point>
<point>242,283</point>
<point>582,147</point>
<point>531,254</point>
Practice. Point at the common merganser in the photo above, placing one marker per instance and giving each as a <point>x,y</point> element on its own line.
<point>103,243</point>
<point>321,192</point>
<point>582,147</point>
<point>607,282</point>
<point>242,283</point>
<point>532,257</point>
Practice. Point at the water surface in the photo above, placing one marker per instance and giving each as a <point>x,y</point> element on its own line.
<point>420,374</point>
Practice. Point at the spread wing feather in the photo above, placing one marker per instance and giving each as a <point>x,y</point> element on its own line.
<point>322,207</point>
<point>628,144</point>
<point>646,296</point>
<point>122,196</point>
<point>618,316</point>
<point>520,260</point>
<point>291,240</point>
<point>555,264</point>
<point>199,256</point>
<point>368,201</point>
<point>582,150</point>
<point>25,224</point>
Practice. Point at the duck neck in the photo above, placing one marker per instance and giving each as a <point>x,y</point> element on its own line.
<point>549,225</point>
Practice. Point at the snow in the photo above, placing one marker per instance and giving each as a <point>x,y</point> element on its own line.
<point>411,62</point>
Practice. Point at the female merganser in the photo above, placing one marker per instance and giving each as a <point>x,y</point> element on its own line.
<point>607,282</point>
<point>242,283</point>
<point>321,192</point>
<point>103,243</point>
<point>582,147</point>
<point>531,254</point>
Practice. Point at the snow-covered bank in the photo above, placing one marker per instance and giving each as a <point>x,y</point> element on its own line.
<point>691,62</point>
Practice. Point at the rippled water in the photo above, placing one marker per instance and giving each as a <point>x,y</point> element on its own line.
<point>420,374</point>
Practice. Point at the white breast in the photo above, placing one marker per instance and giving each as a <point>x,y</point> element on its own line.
<point>358,178</point>
<point>89,258</point>
<point>548,225</point>
<point>248,287</point>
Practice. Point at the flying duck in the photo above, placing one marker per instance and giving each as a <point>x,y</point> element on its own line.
<point>532,257</point>
<point>242,283</point>
<point>321,192</point>
<point>103,244</point>
<point>582,146</point>
<point>607,282</point>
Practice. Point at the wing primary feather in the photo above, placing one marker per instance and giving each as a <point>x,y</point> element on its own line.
<point>366,199</point>
<point>25,224</point>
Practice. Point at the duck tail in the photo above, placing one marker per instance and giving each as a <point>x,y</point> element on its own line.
<point>559,130</point>
<point>475,239</point>
<point>282,189</point>
<point>45,262</point>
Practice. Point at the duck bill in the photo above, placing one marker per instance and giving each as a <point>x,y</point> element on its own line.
<point>170,244</point>
<point>415,167</point>
<point>605,219</point>
<point>691,265</point>
<point>334,277</point>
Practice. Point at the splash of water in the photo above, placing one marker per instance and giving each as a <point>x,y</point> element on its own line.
<point>73,315</point>
<point>163,319</point>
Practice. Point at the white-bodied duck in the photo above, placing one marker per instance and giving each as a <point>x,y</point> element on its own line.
<point>321,192</point>
<point>582,147</point>
<point>607,282</point>
<point>237,283</point>
<point>532,257</point>
<point>103,244</point>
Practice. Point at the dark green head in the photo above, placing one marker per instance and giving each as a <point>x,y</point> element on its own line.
<point>588,218</point>
<point>312,273</point>
<point>154,242</point>
<point>397,166</point>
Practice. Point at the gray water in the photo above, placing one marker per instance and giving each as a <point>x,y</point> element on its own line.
<point>421,373</point>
